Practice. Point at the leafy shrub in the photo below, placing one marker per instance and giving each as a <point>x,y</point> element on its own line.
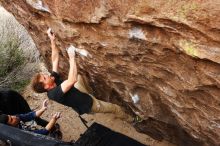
<point>12,60</point>
<point>11,57</point>
<point>19,57</point>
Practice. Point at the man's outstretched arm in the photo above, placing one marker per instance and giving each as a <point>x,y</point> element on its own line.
<point>53,120</point>
<point>55,51</point>
<point>72,76</point>
<point>43,108</point>
<point>32,115</point>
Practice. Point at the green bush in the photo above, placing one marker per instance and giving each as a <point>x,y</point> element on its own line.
<point>11,57</point>
<point>19,57</point>
<point>19,86</point>
<point>12,60</point>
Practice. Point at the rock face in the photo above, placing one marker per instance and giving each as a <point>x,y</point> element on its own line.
<point>159,59</point>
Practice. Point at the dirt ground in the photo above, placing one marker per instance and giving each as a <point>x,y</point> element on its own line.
<point>72,127</point>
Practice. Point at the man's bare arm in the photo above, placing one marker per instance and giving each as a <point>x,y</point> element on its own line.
<point>53,120</point>
<point>55,51</point>
<point>72,76</point>
<point>43,108</point>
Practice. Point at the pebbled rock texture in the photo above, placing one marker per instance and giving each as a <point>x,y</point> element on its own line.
<point>159,59</point>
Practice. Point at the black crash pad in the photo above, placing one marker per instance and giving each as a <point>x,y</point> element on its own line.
<point>17,137</point>
<point>95,135</point>
<point>99,135</point>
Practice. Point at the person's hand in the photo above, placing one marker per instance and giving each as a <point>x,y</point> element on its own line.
<point>50,34</point>
<point>56,115</point>
<point>71,52</point>
<point>45,104</point>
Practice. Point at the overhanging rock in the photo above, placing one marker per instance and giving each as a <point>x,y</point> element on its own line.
<point>159,59</point>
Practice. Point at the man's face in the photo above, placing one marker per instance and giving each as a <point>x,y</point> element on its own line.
<point>13,120</point>
<point>46,80</point>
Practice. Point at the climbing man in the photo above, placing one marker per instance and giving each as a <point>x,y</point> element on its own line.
<point>20,119</point>
<point>65,93</point>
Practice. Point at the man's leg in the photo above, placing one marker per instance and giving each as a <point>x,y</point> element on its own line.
<point>81,85</point>
<point>105,107</point>
<point>101,106</point>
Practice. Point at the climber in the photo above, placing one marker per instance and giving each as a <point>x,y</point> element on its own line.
<point>65,93</point>
<point>20,119</point>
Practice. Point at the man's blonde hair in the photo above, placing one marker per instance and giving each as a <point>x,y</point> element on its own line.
<point>36,85</point>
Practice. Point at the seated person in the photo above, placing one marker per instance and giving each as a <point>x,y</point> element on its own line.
<point>12,103</point>
<point>20,119</point>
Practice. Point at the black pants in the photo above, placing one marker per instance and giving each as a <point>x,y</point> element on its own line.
<point>12,103</point>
